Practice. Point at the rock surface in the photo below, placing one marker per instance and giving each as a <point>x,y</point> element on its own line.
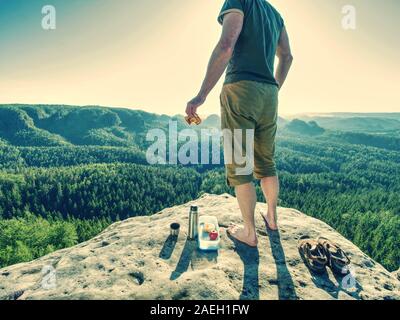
<point>397,274</point>
<point>136,259</point>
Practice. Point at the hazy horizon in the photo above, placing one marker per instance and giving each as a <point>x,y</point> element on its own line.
<point>283,115</point>
<point>152,56</point>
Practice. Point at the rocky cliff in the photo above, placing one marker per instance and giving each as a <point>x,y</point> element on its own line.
<point>397,274</point>
<point>136,259</point>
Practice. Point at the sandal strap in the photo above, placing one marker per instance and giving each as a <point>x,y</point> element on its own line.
<point>315,253</point>
<point>342,258</point>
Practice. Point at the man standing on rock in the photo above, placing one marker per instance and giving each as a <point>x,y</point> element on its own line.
<point>253,34</point>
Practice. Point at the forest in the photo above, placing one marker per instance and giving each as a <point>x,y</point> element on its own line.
<point>66,173</point>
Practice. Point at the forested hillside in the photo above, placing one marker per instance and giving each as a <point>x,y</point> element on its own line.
<point>49,126</point>
<point>68,172</point>
<point>357,122</point>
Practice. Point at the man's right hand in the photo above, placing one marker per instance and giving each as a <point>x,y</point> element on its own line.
<point>193,105</point>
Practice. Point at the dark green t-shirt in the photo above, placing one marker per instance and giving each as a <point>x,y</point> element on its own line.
<point>254,54</point>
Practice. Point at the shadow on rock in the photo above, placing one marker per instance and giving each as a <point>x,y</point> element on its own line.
<point>286,288</point>
<point>345,283</point>
<point>251,261</point>
<point>192,256</point>
<point>168,247</point>
<point>203,259</point>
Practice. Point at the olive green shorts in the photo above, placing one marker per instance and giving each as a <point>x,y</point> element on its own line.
<point>253,107</point>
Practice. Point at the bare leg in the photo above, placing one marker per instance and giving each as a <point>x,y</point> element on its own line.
<point>270,187</point>
<point>247,198</point>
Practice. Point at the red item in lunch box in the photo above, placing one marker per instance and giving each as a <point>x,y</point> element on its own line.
<point>213,235</point>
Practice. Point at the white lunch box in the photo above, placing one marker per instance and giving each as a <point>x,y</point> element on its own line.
<point>203,237</point>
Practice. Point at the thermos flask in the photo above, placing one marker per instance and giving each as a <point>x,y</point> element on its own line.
<point>193,221</point>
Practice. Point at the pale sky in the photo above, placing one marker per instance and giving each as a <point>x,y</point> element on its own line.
<point>152,54</point>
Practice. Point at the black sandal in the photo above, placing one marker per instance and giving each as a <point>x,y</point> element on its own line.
<point>338,259</point>
<point>313,254</point>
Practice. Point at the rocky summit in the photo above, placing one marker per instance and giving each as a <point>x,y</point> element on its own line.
<point>137,259</point>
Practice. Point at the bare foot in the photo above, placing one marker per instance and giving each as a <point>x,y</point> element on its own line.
<point>271,222</point>
<point>242,236</point>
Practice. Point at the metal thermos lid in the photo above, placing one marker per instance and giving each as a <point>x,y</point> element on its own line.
<point>193,208</point>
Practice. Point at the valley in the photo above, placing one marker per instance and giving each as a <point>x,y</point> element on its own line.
<point>67,172</point>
